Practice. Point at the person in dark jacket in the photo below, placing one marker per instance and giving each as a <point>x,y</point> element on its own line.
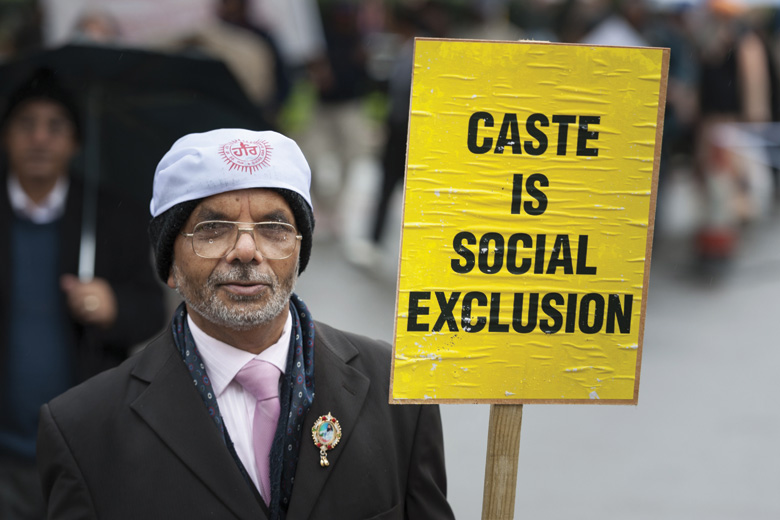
<point>58,330</point>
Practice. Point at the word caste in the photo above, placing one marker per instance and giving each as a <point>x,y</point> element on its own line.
<point>509,135</point>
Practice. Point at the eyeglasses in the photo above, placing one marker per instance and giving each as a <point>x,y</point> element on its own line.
<point>216,238</point>
<point>29,125</point>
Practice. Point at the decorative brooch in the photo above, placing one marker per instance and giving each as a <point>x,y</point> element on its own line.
<point>326,434</point>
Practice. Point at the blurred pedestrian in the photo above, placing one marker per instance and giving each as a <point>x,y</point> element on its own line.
<point>399,88</point>
<point>737,85</point>
<point>57,330</point>
<point>249,57</point>
<point>339,137</point>
<point>22,23</point>
<point>97,27</point>
<point>219,415</point>
<point>235,12</point>
<point>428,19</point>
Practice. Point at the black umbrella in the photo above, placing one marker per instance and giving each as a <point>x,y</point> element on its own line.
<point>135,103</point>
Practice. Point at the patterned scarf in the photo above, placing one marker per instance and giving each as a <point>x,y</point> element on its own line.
<point>296,394</point>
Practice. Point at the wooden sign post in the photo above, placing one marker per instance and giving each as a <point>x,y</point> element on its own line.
<point>529,207</point>
<point>503,450</point>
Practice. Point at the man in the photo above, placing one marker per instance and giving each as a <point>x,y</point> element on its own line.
<point>179,431</point>
<point>56,329</point>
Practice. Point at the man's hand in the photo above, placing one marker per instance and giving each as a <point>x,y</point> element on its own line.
<point>90,303</point>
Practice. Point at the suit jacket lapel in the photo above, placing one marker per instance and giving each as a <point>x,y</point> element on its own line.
<point>176,413</point>
<point>341,390</point>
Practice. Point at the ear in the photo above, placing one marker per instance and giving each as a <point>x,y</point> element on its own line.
<point>171,282</point>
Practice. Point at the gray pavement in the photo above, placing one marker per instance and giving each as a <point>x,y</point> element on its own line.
<point>704,440</point>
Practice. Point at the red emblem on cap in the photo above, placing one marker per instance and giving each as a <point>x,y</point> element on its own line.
<point>246,155</point>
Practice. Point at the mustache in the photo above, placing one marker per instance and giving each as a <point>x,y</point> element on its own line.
<point>242,273</point>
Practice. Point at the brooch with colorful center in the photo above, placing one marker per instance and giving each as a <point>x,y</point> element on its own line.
<point>326,433</point>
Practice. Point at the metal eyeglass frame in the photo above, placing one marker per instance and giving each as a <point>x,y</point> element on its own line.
<point>239,229</point>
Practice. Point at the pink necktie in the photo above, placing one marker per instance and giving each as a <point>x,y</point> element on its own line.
<point>261,379</point>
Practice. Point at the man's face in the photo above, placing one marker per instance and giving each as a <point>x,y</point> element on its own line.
<point>242,290</point>
<point>40,141</point>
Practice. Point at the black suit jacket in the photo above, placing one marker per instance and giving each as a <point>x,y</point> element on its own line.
<point>122,258</point>
<point>137,442</point>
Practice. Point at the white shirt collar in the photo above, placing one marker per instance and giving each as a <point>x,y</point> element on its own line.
<point>49,210</point>
<point>224,361</point>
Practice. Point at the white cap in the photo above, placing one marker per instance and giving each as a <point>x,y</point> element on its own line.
<point>228,159</point>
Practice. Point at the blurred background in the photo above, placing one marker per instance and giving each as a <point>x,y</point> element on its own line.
<point>335,75</point>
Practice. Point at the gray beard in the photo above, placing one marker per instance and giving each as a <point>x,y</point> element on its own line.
<point>204,300</point>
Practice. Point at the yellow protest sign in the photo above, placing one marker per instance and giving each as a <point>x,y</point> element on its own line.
<point>528,215</point>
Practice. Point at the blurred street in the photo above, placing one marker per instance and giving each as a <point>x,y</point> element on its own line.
<point>703,440</point>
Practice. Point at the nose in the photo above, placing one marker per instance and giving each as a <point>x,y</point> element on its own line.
<point>40,133</point>
<point>245,249</point>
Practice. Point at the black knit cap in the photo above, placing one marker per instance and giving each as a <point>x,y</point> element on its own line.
<point>43,85</point>
<point>164,228</point>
